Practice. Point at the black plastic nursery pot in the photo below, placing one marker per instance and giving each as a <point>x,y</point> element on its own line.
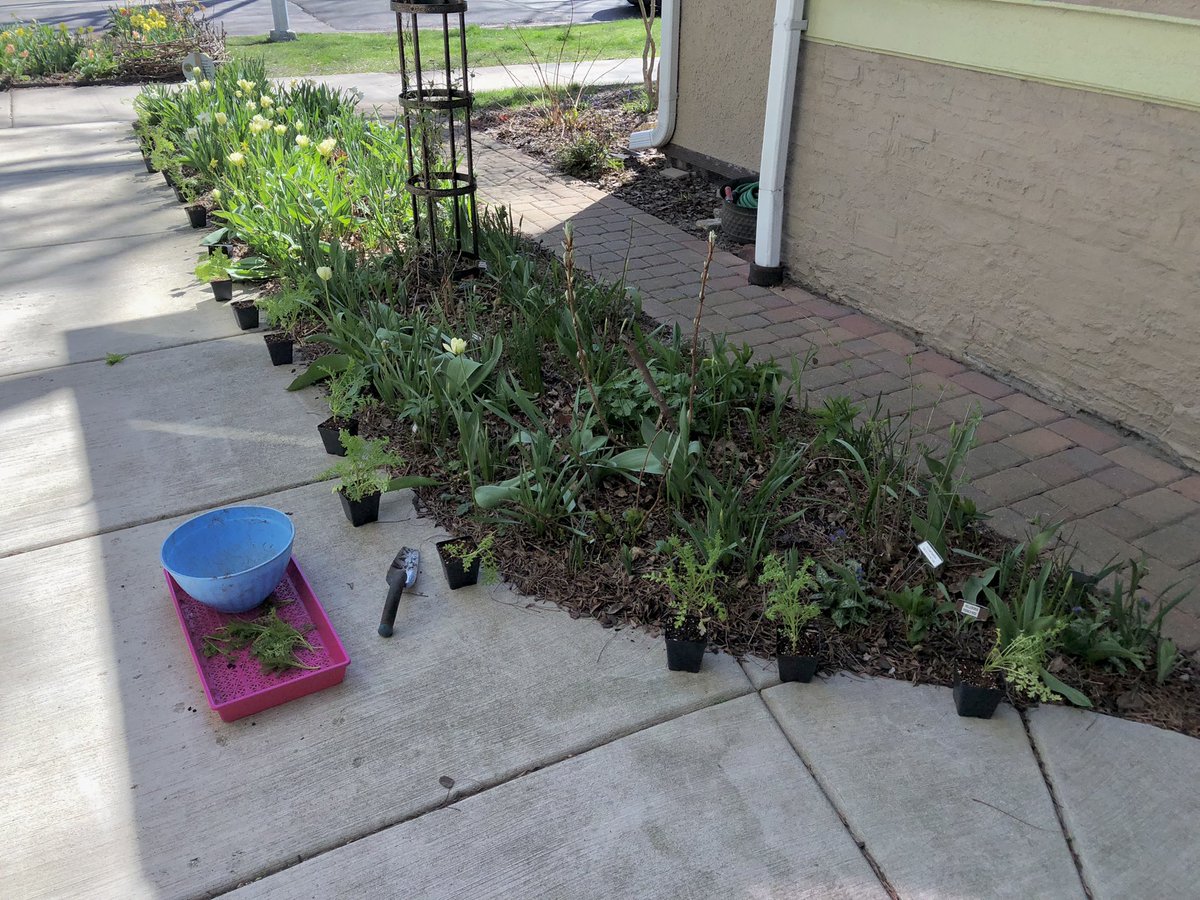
<point>227,249</point>
<point>738,223</point>
<point>685,648</point>
<point>149,165</point>
<point>360,512</point>
<point>796,668</point>
<point>330,431</point>
<point>975,702</point>
<point>179,198</point>
<point>223,290</point>
<point>279,345</point>
<point>198,216</point>
<point>246,314</point>
<point>167,178</point>
<point>456,575</point>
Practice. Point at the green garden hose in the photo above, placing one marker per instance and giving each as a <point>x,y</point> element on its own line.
<point>746,195</point>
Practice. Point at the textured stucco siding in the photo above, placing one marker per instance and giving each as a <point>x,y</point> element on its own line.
<point>1049,233</point>
<point>725,51</point>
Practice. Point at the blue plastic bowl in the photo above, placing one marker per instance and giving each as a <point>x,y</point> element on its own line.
<point>232,558</point>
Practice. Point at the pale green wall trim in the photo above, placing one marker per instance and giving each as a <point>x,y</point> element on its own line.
<point>1147,57</point>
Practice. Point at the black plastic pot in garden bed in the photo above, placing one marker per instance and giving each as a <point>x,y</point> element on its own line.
<point>800,663</point>
<point>197,215</point>
<point>360,512</point>
<point>246,314</point>
<point>149,165</point>
<point>330,431</point>
<point>456,575</point>
<point>975,702</point>
<point>168,179</point>
<point>179,198</point>
<point>227,249</point>
<point>279,345</point>
<point>222,290</point>
<point>685,648</point>
<point>796,668</point>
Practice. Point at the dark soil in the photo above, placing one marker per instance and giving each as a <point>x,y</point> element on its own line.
<point>635,176</point>
<point>277,337</point>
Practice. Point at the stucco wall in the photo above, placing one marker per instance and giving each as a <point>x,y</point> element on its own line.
<point>725,49</point>
<point>1047,232</point>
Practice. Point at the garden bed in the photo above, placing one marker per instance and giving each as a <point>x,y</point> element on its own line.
<point>599,133</point>
<point>634,474</point>
<point>138,44</point>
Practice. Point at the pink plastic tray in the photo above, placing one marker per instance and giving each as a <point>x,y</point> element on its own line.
<point>236,687</point>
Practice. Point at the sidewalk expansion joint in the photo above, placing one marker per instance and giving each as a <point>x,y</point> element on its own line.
<point>242,498</point>
<point>478,788</point>
<point>859,841</point>
<point>111,237</point>
<point>26,373</point>
<point>1062,824</point>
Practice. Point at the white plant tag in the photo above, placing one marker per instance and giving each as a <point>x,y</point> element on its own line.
<point>971,610</point>
<point>931,555</point>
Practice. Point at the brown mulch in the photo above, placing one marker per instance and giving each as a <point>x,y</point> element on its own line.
<point>601,586</point>
<point>637,180</point>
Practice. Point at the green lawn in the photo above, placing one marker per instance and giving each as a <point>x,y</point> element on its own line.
<point>331,54</point>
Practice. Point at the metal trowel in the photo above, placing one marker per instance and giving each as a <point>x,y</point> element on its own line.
<point>401,574</point>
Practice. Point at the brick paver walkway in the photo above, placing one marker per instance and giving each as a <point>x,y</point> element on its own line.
<point>1119,497</point>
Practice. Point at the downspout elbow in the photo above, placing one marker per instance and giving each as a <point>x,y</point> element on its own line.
<point>668,82</point>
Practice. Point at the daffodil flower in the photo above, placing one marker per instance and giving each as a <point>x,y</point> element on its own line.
<point>302,140</point>
<point>457,346</point>
<point>281,129</point>
<point>221,118</point>
<point>237,159</point>
<point>266,101</point>
<point>326,146</point>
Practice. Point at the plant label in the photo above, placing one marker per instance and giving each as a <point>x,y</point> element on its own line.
<point>931,555</point>
<point>972,610</point>
<point>201,61</point>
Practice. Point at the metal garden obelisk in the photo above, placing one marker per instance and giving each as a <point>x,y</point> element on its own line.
<point>436,105</point>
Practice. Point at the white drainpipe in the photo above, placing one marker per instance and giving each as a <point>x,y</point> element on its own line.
<point>668,81</point>
<point>781,93</point>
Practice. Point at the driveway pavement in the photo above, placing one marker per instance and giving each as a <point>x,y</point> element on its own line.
<point>246,17</point>
<point>495,747</point>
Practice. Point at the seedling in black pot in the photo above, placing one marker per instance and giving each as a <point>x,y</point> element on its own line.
<point>788,581</point>
<point>214,270</point>
<point>692,584</point>
<point>463,561</point>
<point>363,477</point>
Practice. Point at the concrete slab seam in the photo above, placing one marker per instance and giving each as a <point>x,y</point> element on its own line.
<point>1037,755</point>
<point>129,355</point>
<point>121,237</point>
<point>166,515</point>
<point>483,787</point>
<point>858,841</point>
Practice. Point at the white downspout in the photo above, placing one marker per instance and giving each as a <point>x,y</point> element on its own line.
<point>777,128</point>
<point>668,81</point>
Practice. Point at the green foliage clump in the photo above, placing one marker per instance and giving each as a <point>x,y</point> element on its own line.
<point>363,470</point>
<point>484,551</point>
<point>585,157</point>
<point>692,583</point>
<point>787,580</point>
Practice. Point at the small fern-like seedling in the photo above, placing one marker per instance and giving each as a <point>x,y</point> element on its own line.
<point>788,580</point>
<point>693,583</point>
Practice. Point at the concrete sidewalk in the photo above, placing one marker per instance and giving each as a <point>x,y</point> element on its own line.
<point>35,107</point>
<point>579,766</point>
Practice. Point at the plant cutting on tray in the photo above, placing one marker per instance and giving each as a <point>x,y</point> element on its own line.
<point>642,474</point>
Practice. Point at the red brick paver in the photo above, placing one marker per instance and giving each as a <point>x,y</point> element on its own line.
<point>1116,494</point>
